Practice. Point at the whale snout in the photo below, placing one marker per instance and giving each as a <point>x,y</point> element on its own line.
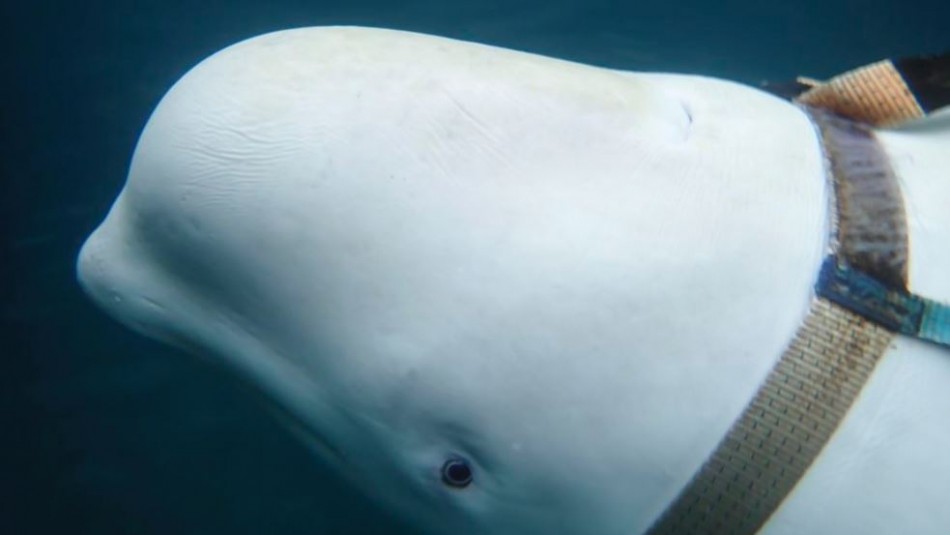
<point>94,271</point>
<point>116,274</point>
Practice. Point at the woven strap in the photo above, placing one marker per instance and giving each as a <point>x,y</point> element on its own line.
<point>892,308</point>
<point>876,95</point>
<point>808,392</point>
<point>871,226</point>
<point>884,94</point>
<point>783,429</point>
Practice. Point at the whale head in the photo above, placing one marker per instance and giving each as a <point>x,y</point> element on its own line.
<point>501,293</point>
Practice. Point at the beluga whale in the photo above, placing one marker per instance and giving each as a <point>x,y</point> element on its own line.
<point>505,294</point>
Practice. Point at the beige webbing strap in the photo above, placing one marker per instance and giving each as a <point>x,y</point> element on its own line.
<point>774,441</point>
<point>808,392</point>
<point>876,94</point>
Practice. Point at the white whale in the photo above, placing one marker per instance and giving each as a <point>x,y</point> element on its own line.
<point>572,279</point>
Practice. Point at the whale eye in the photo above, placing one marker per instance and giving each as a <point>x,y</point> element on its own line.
<point>456,473</point>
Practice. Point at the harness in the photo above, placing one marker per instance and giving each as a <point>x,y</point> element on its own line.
<point>861,302</point>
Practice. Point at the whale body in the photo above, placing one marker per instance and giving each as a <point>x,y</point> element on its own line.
<point>568,279</point>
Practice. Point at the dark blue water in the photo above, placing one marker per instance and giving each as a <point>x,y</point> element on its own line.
<point>105,432</point>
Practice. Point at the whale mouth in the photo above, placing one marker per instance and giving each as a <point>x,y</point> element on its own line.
<point>307,433</point>
<point>107,276</point>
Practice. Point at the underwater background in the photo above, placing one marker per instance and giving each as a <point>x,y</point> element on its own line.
<point>105,432</point>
